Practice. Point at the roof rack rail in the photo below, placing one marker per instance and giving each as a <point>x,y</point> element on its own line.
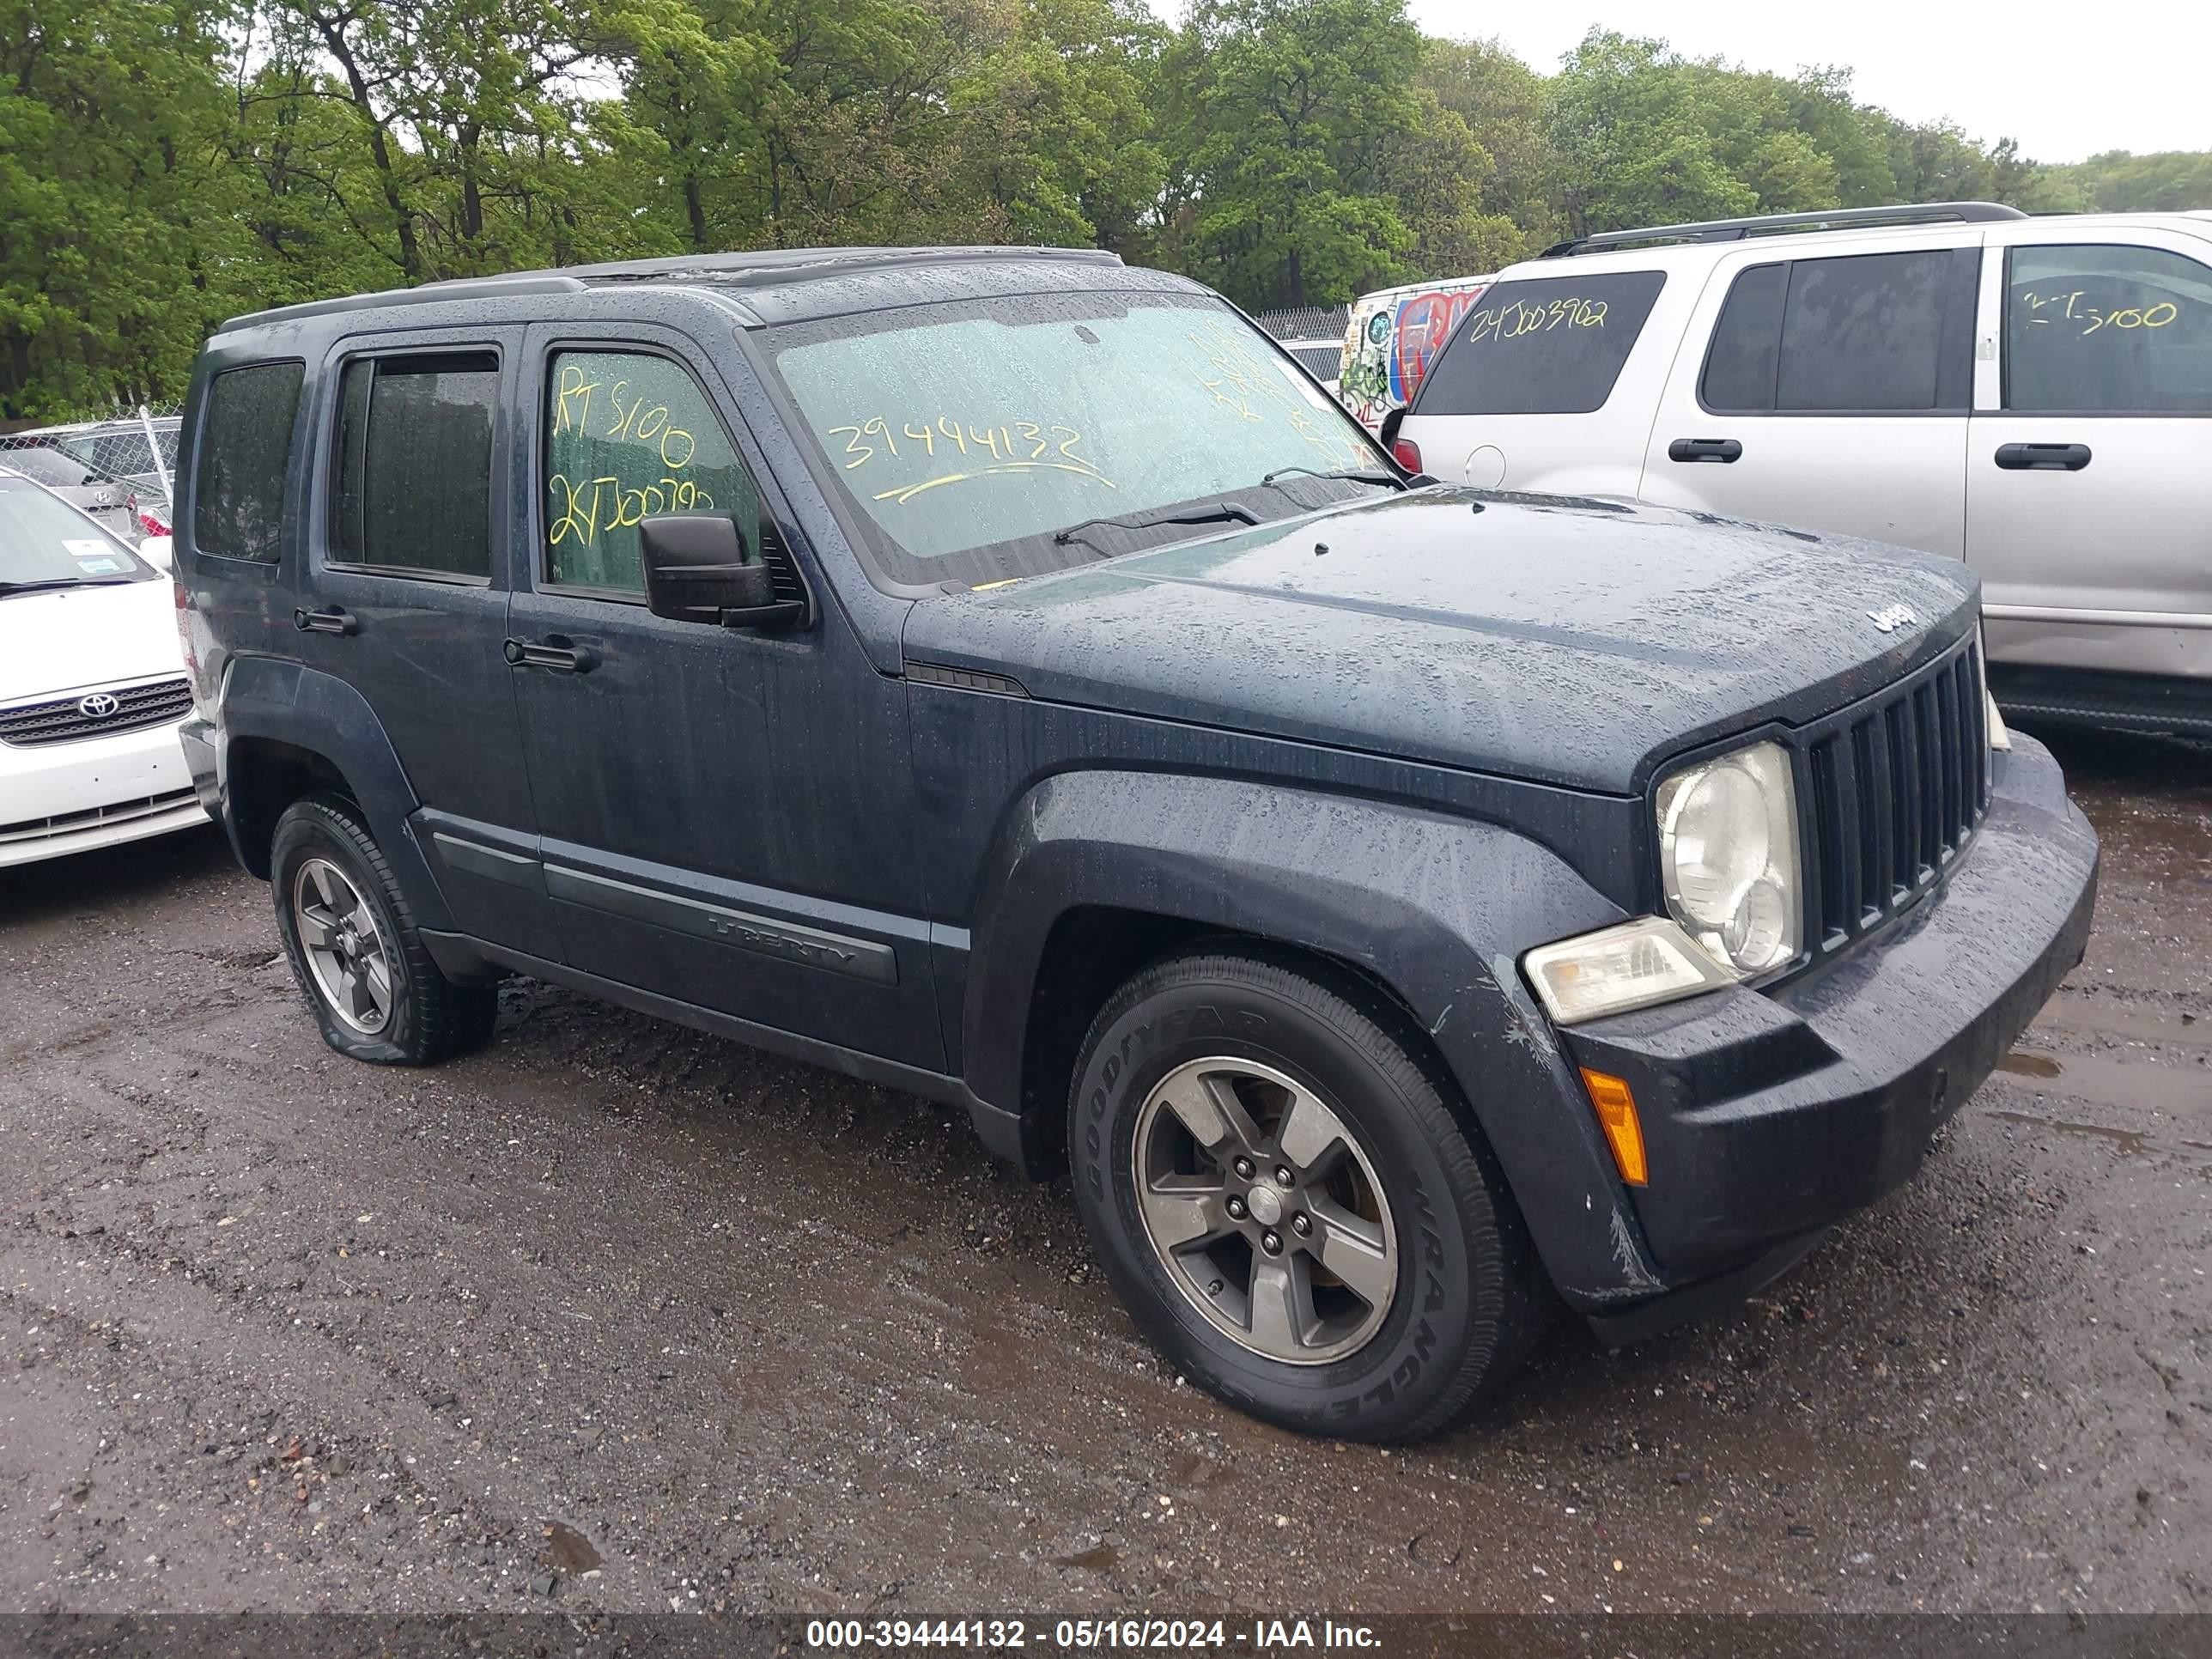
<point>1735,230</point>
<point>770,264</point>
<point>461,288</point>
<point>759,267</point>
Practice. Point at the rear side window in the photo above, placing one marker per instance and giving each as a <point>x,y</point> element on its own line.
<point>414,461</point>
<point>1552,345</point>
<point>2107,329</point>
<point>1870,333</point>
<point>245,461</point>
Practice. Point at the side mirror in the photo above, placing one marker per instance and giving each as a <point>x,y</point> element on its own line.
<point>696,571</point>
<point>1387,433</point>
<point>160,551</point>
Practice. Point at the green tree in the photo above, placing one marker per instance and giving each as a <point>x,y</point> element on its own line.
<point>2172,181</point>
<point>1439,172</point>
<point>1632,134</point>
<point>1058,137</point>
<point>120,237</point>
<point>166,163</point>
<point>467,113</point>
<point>1285,114</point>
<point>1854,138</point>
<point>1503,104</point>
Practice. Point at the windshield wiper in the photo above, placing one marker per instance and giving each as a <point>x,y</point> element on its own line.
<point>8,590</point>
<point>1355,475</point>
<point>1227,512</point>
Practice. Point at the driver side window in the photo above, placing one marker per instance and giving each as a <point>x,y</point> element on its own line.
<point>629,435</point>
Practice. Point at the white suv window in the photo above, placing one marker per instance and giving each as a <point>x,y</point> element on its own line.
<point>1547,345</point>
<point>1868,333</point>
<point>2098,329</point>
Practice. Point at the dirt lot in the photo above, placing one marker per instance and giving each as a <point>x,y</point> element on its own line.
<point>626,1317</point>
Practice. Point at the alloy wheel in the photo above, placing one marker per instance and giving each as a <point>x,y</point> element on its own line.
<point>1264,1209</point>
<point>344,946</point>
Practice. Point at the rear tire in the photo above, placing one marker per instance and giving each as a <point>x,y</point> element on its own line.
<point>355,949</point>
<point>1332,1248</point>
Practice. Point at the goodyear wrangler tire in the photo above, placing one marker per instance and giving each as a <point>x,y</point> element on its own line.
<point>1286,1191</point>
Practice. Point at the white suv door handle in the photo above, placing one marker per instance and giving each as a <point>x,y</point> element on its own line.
<point>2043,458</point>
<point>1704,449</point>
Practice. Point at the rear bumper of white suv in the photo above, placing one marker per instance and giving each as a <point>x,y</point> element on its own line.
<point>78,793</point>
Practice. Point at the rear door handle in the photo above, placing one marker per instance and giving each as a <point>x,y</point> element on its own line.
<point>336,620</point>
<point>558,652</point>
<point>1703,449</point>
<point>2043,458</point>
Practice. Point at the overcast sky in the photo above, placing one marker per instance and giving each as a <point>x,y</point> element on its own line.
<point>2066,80</point>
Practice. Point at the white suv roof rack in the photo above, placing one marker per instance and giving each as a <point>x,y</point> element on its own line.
<point>1733,230</point>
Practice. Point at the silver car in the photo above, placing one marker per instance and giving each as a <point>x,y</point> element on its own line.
<point>2031,395</point>
<point>108,468</point>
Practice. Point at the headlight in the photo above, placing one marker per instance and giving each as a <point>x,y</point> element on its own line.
<point>1728,857</point>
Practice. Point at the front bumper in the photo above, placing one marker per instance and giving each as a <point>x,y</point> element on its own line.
<point>57,799</point>
<point>1769,1115</point>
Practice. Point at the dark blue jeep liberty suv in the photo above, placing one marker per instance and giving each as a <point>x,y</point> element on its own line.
<point>1004,675</point>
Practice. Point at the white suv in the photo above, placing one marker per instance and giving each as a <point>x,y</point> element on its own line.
<point>2032,395</point>
<point>92,685</point>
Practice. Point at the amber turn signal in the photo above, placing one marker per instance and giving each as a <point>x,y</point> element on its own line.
<point>1616,1112</point>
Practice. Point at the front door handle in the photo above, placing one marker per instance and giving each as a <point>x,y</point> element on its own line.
<point>558,652</point>
<point>336,620</point>
<point>2043,458</point>
<point>1704,449</point>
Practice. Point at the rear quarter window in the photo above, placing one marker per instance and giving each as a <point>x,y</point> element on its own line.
<point>245,461</point>
<point>1549,345</point>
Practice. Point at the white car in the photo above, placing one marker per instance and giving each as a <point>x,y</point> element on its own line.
<point>2031,395</point>
<point>92,684</point>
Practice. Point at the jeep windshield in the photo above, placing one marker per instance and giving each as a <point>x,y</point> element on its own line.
<point>967,436</point>
<point>45,543</point>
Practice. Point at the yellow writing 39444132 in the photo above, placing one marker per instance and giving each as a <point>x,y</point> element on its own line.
<point>1002,441</point>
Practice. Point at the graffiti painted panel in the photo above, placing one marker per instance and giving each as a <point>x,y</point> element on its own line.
<point>1424,323</point>
<point>1394,338</point>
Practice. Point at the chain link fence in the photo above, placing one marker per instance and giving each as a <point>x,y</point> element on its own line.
<point>120,469</point>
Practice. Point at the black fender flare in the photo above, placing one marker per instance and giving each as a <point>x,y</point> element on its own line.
<point>286,702</point>
<point>1438,908</point>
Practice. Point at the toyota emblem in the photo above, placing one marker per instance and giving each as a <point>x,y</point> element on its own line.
<point>99,705</point>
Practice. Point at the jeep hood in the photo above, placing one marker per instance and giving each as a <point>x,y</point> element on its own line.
<point>1562,641</point>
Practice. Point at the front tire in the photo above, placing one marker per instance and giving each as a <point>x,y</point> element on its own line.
<point>1283,1186</point>
<point>354,948</point>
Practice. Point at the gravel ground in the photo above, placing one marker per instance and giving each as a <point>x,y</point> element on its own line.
<point>613,1316</point>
